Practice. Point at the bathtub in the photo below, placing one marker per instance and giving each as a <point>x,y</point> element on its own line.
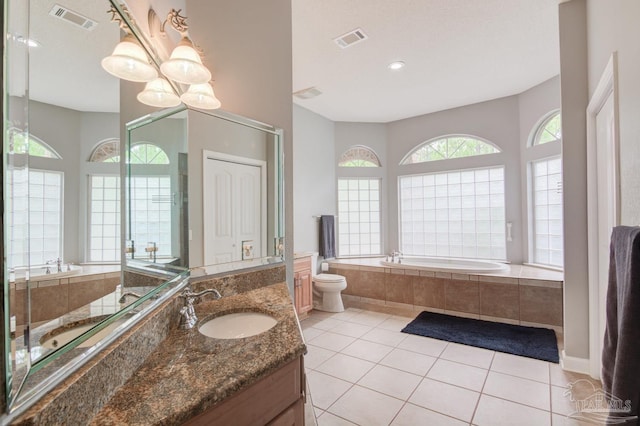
<point>38,273</point>
<point>444,264</point>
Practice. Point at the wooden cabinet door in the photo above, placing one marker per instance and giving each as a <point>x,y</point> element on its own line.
<point>305,290</point>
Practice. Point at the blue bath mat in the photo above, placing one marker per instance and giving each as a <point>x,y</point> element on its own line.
<point>532,342</point>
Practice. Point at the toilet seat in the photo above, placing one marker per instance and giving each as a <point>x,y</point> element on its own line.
<point>328,278</point>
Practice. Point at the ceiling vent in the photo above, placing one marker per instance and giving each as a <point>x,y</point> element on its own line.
<point>351,38</point>
<point>308,93</point>
<point>72,17</point>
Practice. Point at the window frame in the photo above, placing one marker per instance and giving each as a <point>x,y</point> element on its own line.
<point>405,160</point>
<point>358,151</point>
<point>341,221</point>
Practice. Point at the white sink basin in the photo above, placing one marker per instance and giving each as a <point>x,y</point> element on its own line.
<point>237,325</point>
<point>67,336</point>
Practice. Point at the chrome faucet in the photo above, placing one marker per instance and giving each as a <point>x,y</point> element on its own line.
<point>123,298</point>
<point>57,262</point>
<point>396,255</point>
<point>188,318</point>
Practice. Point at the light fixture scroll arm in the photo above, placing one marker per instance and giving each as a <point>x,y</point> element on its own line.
<point>116,17</point>
<point>178,22</point>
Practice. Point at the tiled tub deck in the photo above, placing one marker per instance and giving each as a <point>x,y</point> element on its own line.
<point>522,295</point>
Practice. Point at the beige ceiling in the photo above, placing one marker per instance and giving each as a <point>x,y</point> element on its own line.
<point>457,52</point>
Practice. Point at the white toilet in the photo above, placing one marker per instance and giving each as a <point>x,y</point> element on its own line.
<point>326,292</point>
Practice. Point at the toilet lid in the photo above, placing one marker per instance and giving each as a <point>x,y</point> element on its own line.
<point>328,278</point>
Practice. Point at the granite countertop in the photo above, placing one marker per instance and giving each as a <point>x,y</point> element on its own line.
<point>190,372</point>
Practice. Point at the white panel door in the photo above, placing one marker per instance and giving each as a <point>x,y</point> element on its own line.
<point>232,210</point>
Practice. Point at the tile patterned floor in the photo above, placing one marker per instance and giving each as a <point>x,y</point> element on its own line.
<point>362,370</point>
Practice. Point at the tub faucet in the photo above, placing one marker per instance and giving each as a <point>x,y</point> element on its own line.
<point>188,316</point>
<point>57,262</point>
<point>396,255</point>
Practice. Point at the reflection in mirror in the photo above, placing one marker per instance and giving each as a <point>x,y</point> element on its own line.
<point>62,192</point>
<point>229,180</point>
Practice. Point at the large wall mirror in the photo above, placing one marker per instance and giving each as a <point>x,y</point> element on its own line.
<point>213,204</point>
<point>97,231</point>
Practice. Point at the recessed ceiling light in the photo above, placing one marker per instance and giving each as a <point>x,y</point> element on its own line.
<point>396,65</point>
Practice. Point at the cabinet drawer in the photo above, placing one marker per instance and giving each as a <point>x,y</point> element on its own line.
<point>301,264</point>
<point>258,404</point>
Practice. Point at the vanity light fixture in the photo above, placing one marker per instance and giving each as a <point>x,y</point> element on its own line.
<point>128,61</point>
<point>185,64</point>
<point>201,96</point>
<point>158,93</point>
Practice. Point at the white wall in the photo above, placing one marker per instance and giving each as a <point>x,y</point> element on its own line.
<point>613,26</point>
<point>247,47</point>
<point>314,168</point>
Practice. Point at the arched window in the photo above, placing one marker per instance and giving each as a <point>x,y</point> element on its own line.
<point>545,188</point>
<point>359,156</point>
<point>454,146</point>
<point>24,143</point>
<point>147,153</point>
<point>106,152</point>
<point>550,130</point>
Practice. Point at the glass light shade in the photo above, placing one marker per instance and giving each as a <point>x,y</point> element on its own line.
<point>201,96</point>
<point>158,93</point>
<point>129,62</point>
<point>185,65</point>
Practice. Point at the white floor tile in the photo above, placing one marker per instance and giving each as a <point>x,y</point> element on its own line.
<point>526,368</point>
<point>462,375</point>
<point>470,355</point>
<point>372,319</point>
<point>517,389</point>
<point>411,362</point>
<point>412,415</point>
<point>369,351</point>
<point>423,345</point>
<point>311,333</point>
<point>332,341</point>
<point>558,420</point>
<point>499,412</point>
<point>346,314</point>
<point>345,367</point>
<point>366,407</point>
<point>384,337</point>
<point>316,356</point>
<point>390,381</point>
<point>394,323</point>
<point>324,389</point>
<point>327,324</point>
<point>447,399</point>
<point>328,419</point>
<point>351,329</point>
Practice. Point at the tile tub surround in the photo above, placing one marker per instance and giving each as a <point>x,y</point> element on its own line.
<point>85,392</point>
<point>520,295</point>
<point>54,298</point>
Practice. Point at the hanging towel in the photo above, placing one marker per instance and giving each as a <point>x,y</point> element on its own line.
<point>327,237</point>
<point>621,347</point>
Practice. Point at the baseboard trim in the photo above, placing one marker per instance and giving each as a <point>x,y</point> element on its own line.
<point>575,364</point>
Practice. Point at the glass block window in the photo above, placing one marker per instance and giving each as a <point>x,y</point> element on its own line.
<point>359,156</point>
<point>106,152</point>
<point>35,216</point>
<point>24,143</point>
<point>359,217</point>
<point>151,214</point>
<point>547,206</point>
<point>104,219</point>
<point>455,146</point>
<point>453,214</point>
<point>550,130</point>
